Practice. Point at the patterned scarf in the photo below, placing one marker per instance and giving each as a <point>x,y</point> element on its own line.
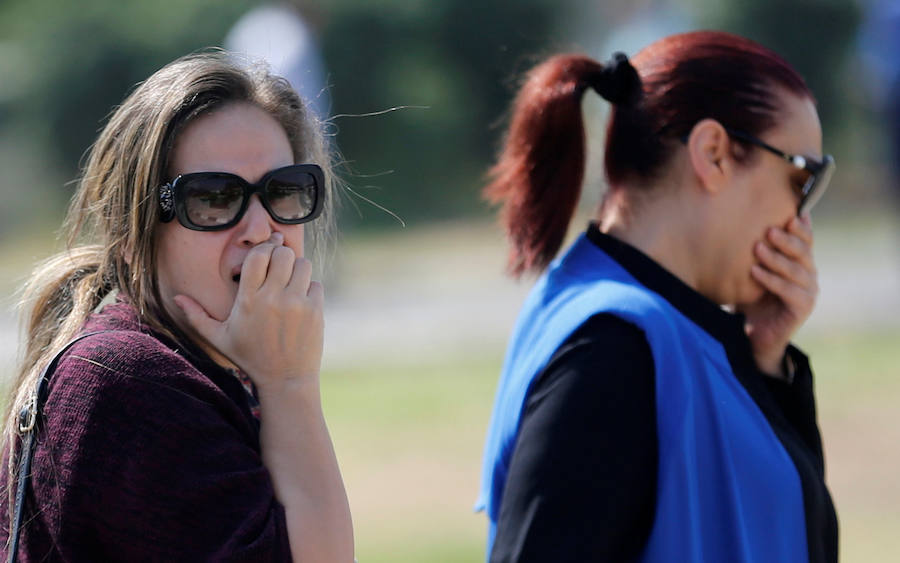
<point>248,386</point>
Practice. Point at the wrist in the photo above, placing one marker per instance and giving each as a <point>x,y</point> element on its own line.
<point>772,365</point>
<point>288,387</point>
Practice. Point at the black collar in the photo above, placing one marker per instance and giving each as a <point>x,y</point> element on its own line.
<point>726,327</point>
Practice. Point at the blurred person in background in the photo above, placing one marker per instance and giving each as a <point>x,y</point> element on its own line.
<point>651,406</point>
<point>880,50</point>
<point>283,35</point>
<point>184,423</point>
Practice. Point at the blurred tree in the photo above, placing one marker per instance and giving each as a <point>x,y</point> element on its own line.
<point>70,63</point>
<point>815,36</point>
<point>67,64</point>
<point>453,57</point>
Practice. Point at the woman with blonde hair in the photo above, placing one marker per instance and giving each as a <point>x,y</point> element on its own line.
<point>180,418</point>
<point>651,406</point>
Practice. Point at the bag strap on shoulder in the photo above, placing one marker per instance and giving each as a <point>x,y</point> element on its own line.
<point>28,419</point>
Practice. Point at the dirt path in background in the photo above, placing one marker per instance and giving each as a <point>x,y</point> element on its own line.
<point>441,289</point>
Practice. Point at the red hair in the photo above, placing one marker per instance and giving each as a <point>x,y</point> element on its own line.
<point>674,83</point>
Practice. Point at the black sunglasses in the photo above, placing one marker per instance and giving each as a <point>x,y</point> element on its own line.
<point>819,172</point>
<point>215,201</point>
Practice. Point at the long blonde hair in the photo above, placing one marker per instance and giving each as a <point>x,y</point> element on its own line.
<point>111,225</point>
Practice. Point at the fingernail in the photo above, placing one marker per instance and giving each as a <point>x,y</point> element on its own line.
<point>277,237</point>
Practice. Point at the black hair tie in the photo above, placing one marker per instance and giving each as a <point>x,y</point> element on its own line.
<point>618,81</point>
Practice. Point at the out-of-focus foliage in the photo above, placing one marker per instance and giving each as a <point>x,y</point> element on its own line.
<point>451,57</point>
<point>77,60</point>
<point>65,65</point>
<point>815,36</point>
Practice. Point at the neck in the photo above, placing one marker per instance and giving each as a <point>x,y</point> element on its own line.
<point>659,227</point>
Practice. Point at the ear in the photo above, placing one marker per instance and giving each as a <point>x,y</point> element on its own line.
<point>709,148</point>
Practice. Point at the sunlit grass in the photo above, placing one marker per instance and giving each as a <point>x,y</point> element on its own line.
<point>409,440</point>
<point>858,390</point>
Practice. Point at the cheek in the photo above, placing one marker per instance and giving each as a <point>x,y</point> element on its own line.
<point>778,200</point>
<point>772,203</point>
<point>187,260</point>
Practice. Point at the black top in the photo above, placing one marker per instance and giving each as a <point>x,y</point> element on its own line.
<point>582,478</point>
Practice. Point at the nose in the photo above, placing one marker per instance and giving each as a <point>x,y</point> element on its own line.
<point>256,224</point>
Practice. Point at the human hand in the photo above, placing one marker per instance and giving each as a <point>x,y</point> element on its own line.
<point>274,331</point>
<point>787,271</point>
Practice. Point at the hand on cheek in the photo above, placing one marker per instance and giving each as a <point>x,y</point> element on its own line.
<point>274,331</point>
<point>786,270</point>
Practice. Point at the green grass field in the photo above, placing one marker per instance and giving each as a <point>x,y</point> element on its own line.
<point>409,440</point>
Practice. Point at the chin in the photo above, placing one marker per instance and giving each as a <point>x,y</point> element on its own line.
<point>748,293</point>
<point>753,293</point>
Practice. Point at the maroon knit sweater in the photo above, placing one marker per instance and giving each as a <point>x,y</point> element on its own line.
<point>148,452</point>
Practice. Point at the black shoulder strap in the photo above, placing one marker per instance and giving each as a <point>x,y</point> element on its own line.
<point>28,418</point>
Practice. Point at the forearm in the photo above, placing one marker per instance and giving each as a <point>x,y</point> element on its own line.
<point>299,455</point>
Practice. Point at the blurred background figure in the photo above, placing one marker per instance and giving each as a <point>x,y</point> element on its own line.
<point>640,23</point>
<point>880,52</point>
<point>284,35</point>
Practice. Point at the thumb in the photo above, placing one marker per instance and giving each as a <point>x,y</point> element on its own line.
<point>198,318</point>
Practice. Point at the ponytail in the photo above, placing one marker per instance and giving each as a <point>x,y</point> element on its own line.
<point>538,175</point>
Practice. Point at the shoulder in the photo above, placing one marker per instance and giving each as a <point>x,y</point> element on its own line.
<point>134,433</point>
<point>605,329</point>
<point>602,337</point>
<point>126,352</point>
<point>609,304</point>
<point>111,387</point>
<point>605,353</point>
<point>105,367</point>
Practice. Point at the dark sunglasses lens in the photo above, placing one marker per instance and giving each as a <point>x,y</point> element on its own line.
<point>815,187</point>
<point>292,195</point>
<point>212,201</point>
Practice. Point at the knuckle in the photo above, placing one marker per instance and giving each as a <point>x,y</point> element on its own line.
<point>283,253</point>
<point>295,305</point>
<point>808,303</point>
<point>244,305</point>
<point>261,249</point>
<point>272,301</point>
<point>255,259</point>
<point>303,263</point>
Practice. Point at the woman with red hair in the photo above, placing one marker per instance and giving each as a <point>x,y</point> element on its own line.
<point>651,406</point>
